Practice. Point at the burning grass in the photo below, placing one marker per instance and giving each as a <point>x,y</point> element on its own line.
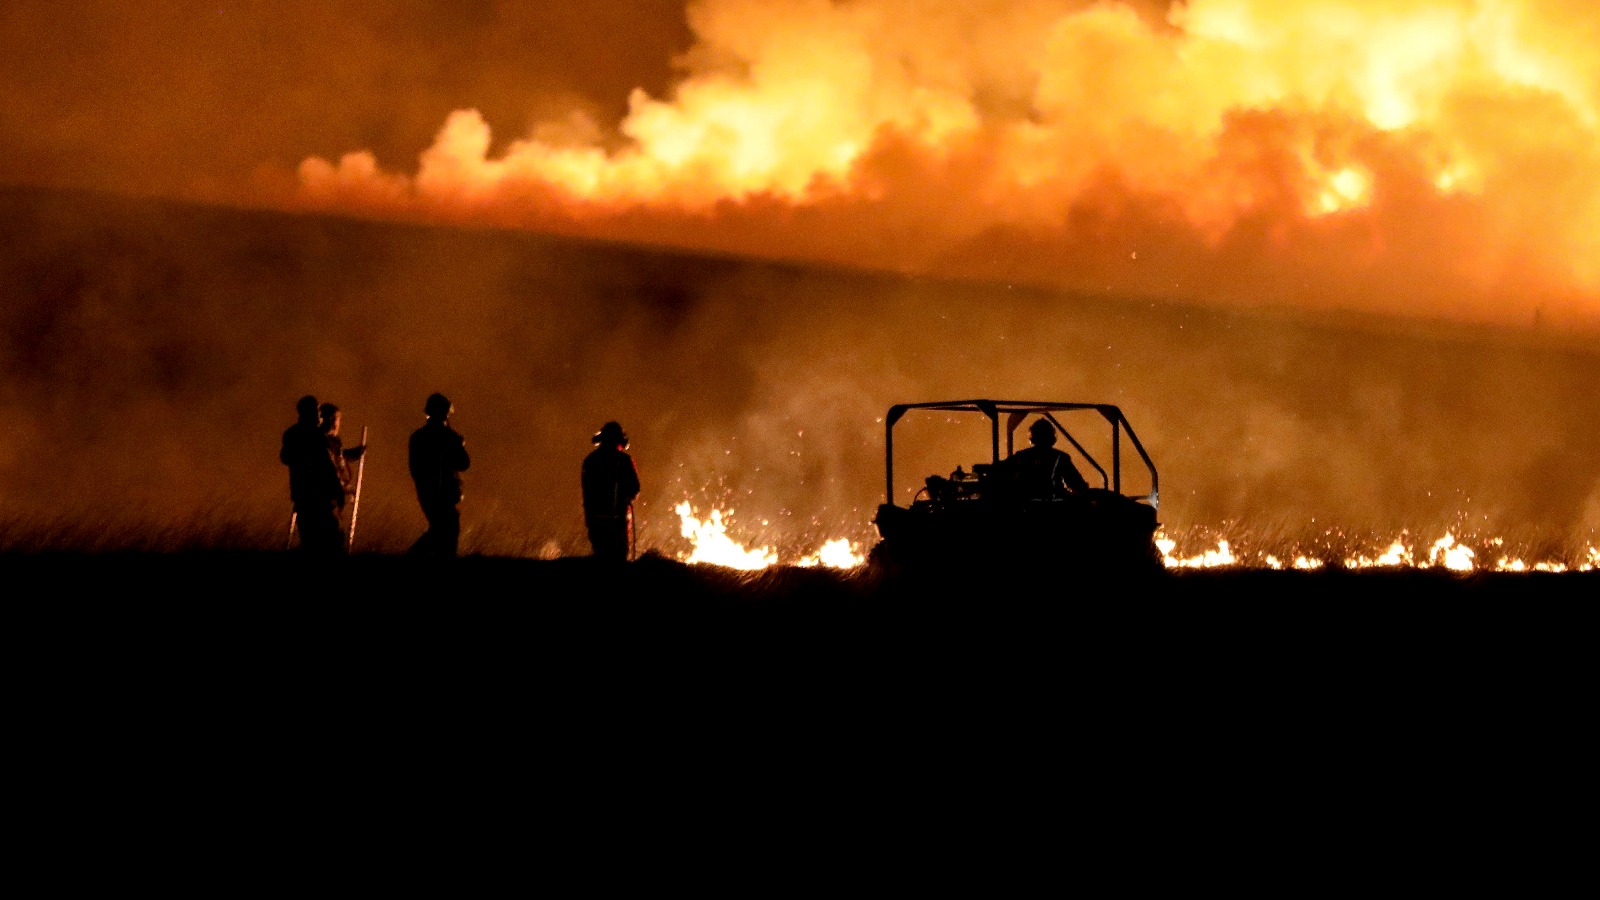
<point>713,541</point>
<point>1449,550</point>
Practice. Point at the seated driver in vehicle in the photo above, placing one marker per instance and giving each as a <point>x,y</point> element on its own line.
<point>1040,471</point>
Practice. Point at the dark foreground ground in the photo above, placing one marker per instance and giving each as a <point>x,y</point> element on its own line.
<point>513,634</point>
<point>501,704</point>
<point>242,613</point>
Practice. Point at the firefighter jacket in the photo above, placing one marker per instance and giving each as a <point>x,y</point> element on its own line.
<point>313,478</point>
<point>437,456</point>
<point>610,483</point>
<point>1042,473</point>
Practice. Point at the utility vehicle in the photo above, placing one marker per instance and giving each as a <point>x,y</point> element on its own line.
<point>978,516</point>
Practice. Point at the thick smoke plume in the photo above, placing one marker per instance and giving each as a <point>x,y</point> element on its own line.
<point>1419,157</point>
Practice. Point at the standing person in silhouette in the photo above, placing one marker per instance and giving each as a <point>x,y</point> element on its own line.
<point>610,483</point>
<point>314,486</point>
<point>341,459</point>
<point>1040,471</point>
<point>437,456</point>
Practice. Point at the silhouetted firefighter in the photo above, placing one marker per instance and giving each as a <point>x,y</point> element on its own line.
<point>438,456</point>
<point>610,482</point>
<point>341,459</point>
<point>314,486</point>
<point>1040,471</point>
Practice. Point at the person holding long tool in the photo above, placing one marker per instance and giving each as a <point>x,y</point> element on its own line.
<point>314,488</point>
<point>610,484</point>
<point>341,459</point>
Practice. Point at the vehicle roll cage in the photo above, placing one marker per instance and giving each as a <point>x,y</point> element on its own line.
<point>1015,412</point>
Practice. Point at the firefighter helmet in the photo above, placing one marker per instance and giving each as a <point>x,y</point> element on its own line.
<point>611,435</point>
<point>437,407</point>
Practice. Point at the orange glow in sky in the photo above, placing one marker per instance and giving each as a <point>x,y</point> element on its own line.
<point>1424,142</point>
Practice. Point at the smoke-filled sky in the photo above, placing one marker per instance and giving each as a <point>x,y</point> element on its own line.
<point>1148,176</point>
<point>175,96</point>
<point>1413,157</point>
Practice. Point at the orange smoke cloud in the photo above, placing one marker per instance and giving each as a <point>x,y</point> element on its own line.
<point>1434,156</point>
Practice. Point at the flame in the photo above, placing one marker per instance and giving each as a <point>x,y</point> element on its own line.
<point>838,553</point>
<point>1452,555</point>
<point>1221,556</point>
<point>713,546</point>
<point>1448,552</point>
<point>1397,554</point>
<point>1303,563</point>
<point>1454,133</point>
